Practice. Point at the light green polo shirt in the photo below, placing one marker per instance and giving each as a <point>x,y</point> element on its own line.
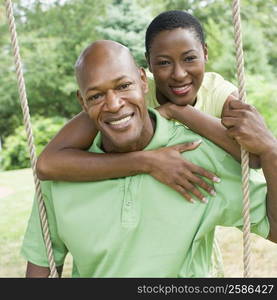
<point>136,226</point>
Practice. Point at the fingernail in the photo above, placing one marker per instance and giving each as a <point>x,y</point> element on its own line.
<point>213,192</point>
<point>205,200</point>
<point>192,200</point>
<point>216,179</point>
<point>198,142</point>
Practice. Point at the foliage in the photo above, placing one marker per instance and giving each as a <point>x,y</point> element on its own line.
<point>262,94</point>
<point>126,23</point>
<point>50,39</point>
<point>15,150</point>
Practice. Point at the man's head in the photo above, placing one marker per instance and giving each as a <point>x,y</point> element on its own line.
<point>112,90</point>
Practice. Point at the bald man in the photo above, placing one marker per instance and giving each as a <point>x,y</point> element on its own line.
<point>135,226</point>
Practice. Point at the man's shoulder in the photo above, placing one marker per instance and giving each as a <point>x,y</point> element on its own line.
<point>208,150</point>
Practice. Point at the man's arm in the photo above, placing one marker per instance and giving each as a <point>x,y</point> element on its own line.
<point>35,271</point>
<point>248,128</point>
<point>207,126</point>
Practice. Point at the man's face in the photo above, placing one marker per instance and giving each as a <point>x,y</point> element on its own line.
<point>177,61</point>
<point>113,90</point>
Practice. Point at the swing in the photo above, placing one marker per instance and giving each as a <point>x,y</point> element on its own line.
<point>31,146</point>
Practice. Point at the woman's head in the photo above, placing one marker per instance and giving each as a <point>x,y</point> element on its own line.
<point>176,53</point>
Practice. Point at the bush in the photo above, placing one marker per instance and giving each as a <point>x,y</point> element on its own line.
<point>262,94</point>
<point>15,149</point>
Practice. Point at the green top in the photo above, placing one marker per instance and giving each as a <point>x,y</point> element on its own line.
<point>136,226</point>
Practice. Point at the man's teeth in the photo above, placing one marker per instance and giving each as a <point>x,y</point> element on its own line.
<point>120,121</point>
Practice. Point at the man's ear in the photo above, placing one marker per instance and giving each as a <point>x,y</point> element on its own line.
<point>148,61</point>
<point>144,80</point>
<point>81,100</point>
<point>206,52</point>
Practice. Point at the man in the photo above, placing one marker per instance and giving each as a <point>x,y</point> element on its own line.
<point>135,226</point>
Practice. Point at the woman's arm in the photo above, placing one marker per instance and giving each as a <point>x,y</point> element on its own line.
<point>64,159</point>
<point>207,126</point>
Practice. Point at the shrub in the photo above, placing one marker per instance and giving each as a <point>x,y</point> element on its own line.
<point>261,93</point>
<point>15,153</point>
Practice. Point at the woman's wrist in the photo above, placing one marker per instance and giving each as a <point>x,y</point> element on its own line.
<point>142,162</point>
<point>179,113</point>
<point>270,154</point>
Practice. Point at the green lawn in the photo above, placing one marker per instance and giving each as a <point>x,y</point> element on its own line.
<point>15,209</point>
<point>14,212</point>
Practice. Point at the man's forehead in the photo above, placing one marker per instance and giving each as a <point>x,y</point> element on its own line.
<point>106,71</point>
<point>104,52</point>
<point>105,60</point>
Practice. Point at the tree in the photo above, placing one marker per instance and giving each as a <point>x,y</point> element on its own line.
<point>126,23</point>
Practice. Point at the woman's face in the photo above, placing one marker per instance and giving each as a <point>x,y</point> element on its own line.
<point>177,60</point>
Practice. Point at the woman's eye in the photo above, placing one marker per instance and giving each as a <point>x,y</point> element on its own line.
<point>163,62</point>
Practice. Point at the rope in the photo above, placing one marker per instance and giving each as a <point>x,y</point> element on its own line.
<point>244,153</point>
<point>28,128</point>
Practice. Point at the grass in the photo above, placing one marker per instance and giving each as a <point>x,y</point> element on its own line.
<point>15,206</point>
<point>15,209</point>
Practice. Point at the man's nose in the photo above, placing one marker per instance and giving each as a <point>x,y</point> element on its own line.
<point>178,72</point>
<point>113,101</point>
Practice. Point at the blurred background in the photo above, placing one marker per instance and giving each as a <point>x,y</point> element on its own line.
<point>51,36</point>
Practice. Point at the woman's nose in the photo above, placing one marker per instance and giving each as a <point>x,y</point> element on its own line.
<point>178,72</point>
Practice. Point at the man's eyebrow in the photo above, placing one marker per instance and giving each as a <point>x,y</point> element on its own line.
<point>97,87</point>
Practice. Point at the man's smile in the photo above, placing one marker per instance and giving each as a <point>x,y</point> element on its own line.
<point>120,122</point>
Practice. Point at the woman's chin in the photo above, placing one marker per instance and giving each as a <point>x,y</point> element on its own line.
<point>184,101</point>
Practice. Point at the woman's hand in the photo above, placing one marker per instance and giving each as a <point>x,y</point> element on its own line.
<point>170,168</point>
<point>247,126</point>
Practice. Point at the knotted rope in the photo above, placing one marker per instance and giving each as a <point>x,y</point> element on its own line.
<point>244,154</point>
<point>28,128</point>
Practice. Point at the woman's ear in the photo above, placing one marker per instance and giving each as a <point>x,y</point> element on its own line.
<point>81,100</point>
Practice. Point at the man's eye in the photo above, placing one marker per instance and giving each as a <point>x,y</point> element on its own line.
<point>95,97</point>
<point>124,86</point>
